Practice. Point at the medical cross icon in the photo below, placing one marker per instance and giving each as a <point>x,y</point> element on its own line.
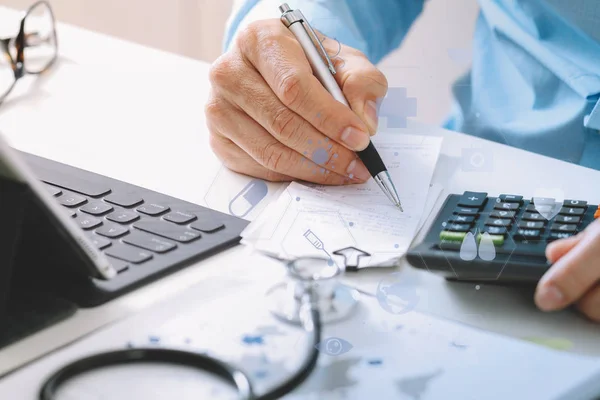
<point>396,107</point>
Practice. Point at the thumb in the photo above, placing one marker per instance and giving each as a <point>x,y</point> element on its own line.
<point>362,83</point>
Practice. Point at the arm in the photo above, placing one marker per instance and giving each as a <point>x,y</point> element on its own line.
<point>375,27</point>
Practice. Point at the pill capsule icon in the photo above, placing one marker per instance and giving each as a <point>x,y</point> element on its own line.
<point>248,198</point>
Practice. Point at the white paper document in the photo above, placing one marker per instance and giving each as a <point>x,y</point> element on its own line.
<point>321,220</point>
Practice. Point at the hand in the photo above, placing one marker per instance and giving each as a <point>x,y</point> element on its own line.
<point>269,117</point>
<point>574,277</point>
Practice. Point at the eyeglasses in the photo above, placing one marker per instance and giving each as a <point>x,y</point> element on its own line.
<point>32,51</point>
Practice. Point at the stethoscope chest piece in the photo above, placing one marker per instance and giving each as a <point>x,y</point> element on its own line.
<point>334,300</point>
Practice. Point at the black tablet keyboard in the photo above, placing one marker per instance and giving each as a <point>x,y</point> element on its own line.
<point>145,234</point>
<point>476,237</point>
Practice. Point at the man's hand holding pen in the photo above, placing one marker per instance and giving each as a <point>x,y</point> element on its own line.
<point>267,112</point>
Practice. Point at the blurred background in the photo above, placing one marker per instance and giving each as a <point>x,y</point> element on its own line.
<point>435,53</point>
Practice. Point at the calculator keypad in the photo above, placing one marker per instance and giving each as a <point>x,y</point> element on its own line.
<point>511,217</point>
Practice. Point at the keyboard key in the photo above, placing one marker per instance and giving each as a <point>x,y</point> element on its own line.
<point>112,231</point>
<point>567,219</point>
<point>167,230</point>
<point>559,235</point>
<point>461,219</point>
<point>124,199</point>
<point>452,236</point>
<point>210,226</point>
<point>466,211</point>
<point>70,213</point>
<point>71,182</point>
<point>495,230</point>
<point>502,214</point>
<point>180,217</point>
<point>123,217</point>
<point>498,240</point>
<point>153,209</point>
<point>72,200</point>
<point>563,227</point>
<point>529,216</point>
<point>120,266</point>
<point>53,190</point>
<point>531,224</point>
<point>498,222</point>
<point>506,206</point>
<point>128,253</point>
<point>100,242</point>
<point>472,199</point>
<point>575,203</point>
<point>149,242</point>
<point>96,208</point>
<point>510,198</point>
<point>571,211</point>
<point>86,222</point>
<point>528,234</point>
<point>458,227</point>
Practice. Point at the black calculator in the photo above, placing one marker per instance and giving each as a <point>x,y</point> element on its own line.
<point>475,237</point>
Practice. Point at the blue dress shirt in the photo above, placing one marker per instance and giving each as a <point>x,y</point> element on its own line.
<point>535,77</point>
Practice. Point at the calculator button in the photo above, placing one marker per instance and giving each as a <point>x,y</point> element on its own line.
<point>511,198</point>
<point>597,213</point>
<point>531,224</point>
<point>571,211</point>
<point>502,214</point>
<point>495,230</point>
<point>461,219</point>
<point>472,199</point>
<point>506,206</point>
<point>563,227</point>
<point>458,227</point>
<point>575,203</point>
<point>498,222</point>
<point>498,240</point>
<point>529,216</point>
<point>567,219</point>
<point>528,234</point>
<point>452,236</point>
<point>466,211</point>
<point>559,235</point>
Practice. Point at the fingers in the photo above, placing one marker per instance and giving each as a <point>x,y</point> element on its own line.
<point>574,274</point>
<point>276,54</point>
<point>290,129</point>
<point>590,304</point>
<point>362,83</point>
<point>261,147</point>
<point>557,249</point>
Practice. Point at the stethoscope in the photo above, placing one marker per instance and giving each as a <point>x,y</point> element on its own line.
<point>311,296</point>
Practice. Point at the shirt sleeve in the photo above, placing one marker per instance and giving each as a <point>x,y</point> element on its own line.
<point>375,27</point>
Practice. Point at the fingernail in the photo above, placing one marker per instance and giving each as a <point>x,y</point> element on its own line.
<point>549,298</point>
<point>358,171</point>
<point>355,139</point>
<point>371,114</point>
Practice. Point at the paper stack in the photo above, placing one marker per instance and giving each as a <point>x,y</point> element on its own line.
<point>312,220</point>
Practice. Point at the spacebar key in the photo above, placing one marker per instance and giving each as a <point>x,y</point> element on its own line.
<point>71,182</point>
<point>167,230</point>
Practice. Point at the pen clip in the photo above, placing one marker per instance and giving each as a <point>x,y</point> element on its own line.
<point>290,16</point>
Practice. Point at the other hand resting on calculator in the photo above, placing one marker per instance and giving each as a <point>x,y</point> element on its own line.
<point>574,277</point>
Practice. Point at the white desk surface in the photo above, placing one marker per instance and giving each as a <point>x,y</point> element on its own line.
<point>136,114</point>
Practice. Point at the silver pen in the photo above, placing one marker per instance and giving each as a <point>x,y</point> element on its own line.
<point>324,70</point>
